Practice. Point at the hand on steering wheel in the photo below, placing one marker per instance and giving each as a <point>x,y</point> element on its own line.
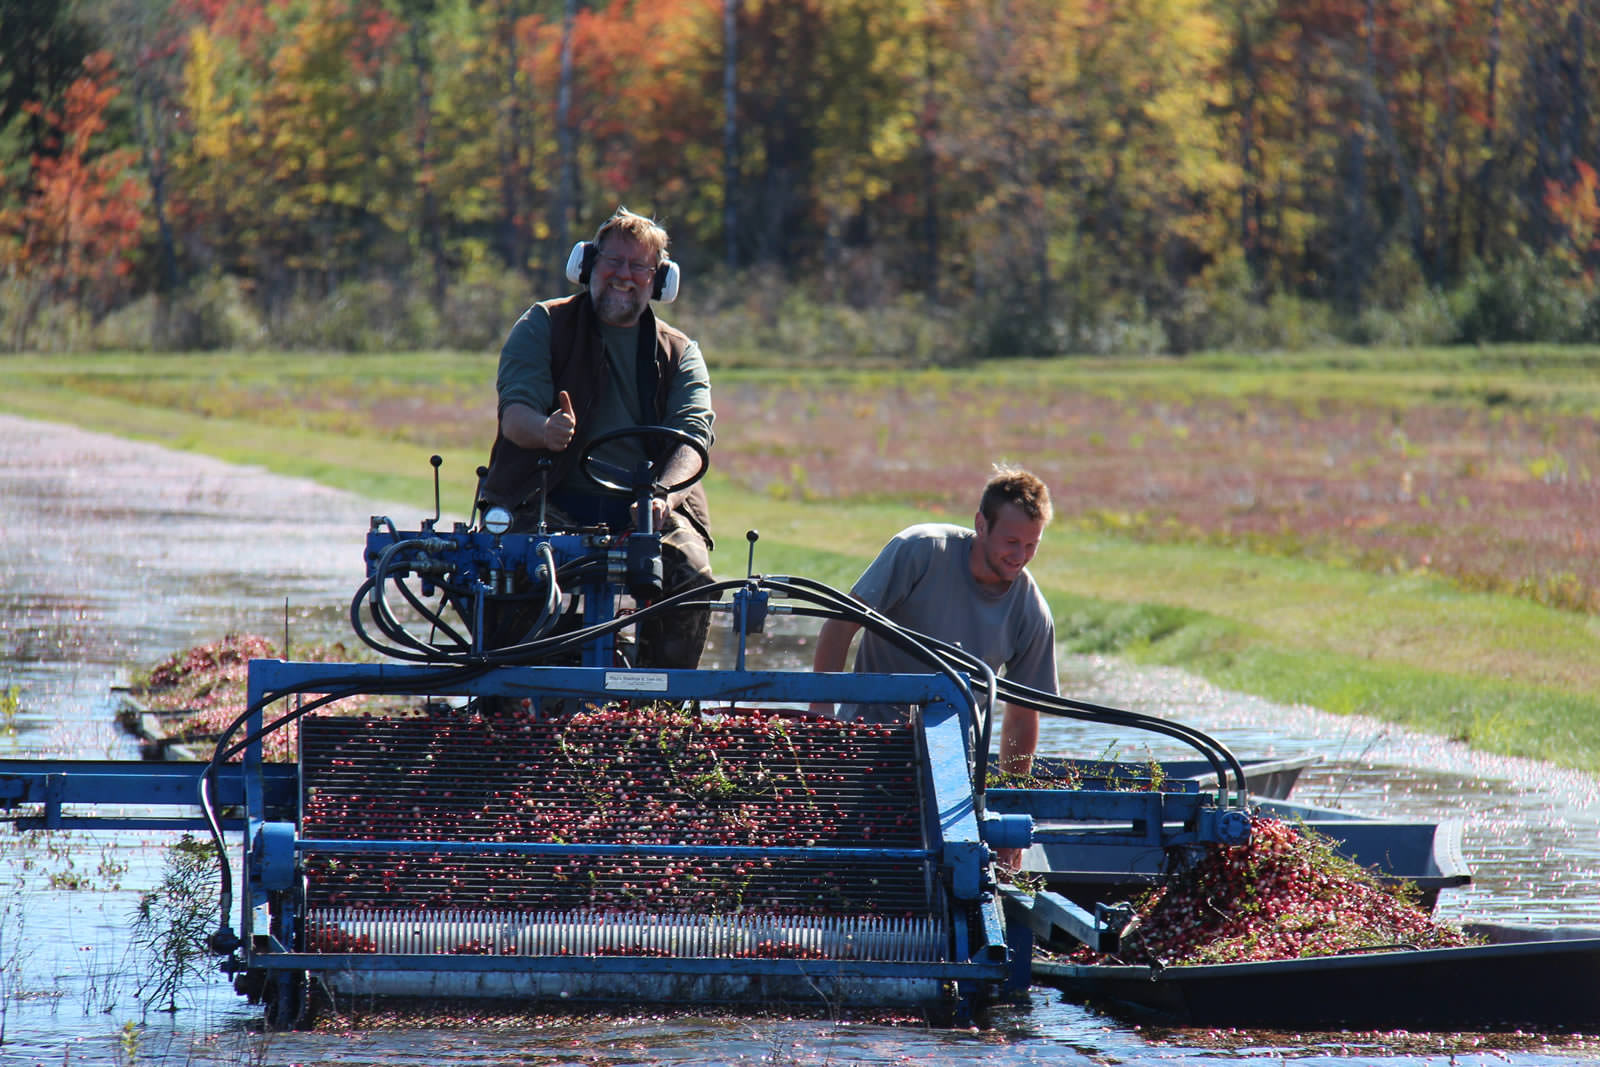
<point>645,483</point>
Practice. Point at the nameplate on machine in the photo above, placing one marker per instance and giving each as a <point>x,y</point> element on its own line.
<point>643,681</point>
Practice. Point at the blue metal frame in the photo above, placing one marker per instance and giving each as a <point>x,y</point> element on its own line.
<point>987,951</point>
<point>56,784</point>
<point>1153,819</point>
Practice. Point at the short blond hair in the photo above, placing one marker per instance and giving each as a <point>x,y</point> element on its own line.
<point>647,232</point>
<point>1013,485</point>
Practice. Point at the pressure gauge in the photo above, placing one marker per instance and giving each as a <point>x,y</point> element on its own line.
<point>497,520</point>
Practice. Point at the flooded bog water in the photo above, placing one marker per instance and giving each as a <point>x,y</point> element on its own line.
<point>116,554</point>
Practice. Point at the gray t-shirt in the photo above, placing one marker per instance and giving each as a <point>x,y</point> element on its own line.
<point>923,580</point>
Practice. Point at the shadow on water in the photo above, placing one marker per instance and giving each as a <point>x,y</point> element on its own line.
<point>117,554</point>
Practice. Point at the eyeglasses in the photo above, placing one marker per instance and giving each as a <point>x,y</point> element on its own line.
<point>615,264</point>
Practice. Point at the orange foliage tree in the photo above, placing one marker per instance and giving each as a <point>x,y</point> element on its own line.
<point>71,234</point>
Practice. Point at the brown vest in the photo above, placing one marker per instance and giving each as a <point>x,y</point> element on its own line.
<point>578,365</point>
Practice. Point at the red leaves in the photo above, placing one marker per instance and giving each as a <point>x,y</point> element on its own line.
<point>84,209</point>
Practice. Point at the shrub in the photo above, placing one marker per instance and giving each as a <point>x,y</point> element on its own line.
<point>1525,298</point>
<point>998,328</point>
<point>375,315</point>
<point>171,923</point>
<point>478,311</point>
<point>31,321</point>
<point>132,327</point>
<point>1425,321</point>
<point>210,313</point>
<point>1222,310</point>
<point>1131,331</point>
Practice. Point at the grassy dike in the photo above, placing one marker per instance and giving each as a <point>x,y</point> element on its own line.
<point>1500,673</point>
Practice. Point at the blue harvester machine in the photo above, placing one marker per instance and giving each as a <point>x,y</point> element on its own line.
<point>544,820</point>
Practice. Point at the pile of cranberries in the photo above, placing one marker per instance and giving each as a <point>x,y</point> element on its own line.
<point>1285,894</point>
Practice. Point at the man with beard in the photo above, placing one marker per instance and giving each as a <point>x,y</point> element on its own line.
<point>592,363</point>
<point>964,587</point>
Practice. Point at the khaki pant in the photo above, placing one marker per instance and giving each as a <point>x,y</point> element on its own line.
<point>678,638</point>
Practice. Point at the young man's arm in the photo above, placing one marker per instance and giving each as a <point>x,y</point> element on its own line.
<point>1019,736</point>
<point>833,646</point>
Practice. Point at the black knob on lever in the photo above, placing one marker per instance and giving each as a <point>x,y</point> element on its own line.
<point>437,462</point>
<point>477,494</point>
<point>750,565</point>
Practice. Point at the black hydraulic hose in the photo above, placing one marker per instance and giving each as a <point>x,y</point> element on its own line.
<point>377,608</point>
<point>940,657</point>
<point>384,616</point>
<point>525,651</point>
<point>831,603</point>
<point>430,615</point>
<point>393,651</point>
<point>405,645</point>
<point>848,608</point>
<point>551,613</point>
<point>1223,762</point>
<point>1215,753</point>
<point>1196,738</point>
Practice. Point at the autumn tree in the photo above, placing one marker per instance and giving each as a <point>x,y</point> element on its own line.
<point>152,37</point>
<point>42,50</point>
<point>647,113</point>
<point>71,237</point>
<point>1091,166</point>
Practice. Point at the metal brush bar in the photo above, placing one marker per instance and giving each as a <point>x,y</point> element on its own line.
<point>609,933</point>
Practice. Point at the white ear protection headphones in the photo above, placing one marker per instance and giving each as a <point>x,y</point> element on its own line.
<point>580,264</point>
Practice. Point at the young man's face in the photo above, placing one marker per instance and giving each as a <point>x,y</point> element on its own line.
<point>621,280</point>
<point>1004,547</point>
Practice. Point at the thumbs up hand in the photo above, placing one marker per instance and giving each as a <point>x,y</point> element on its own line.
<point>560,424</point>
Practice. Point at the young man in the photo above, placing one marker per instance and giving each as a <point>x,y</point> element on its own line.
<point>598,361</point>
<point>966,587</point>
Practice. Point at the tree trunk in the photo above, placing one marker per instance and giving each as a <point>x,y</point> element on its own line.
<point>429,231</point>
<point>928,131</point>
<point>567,135</point>
<point>730,132</point>
<point>1249,185</point>
<point>1486,171</point>
<point>513,224</point>
<point>1379,105</point>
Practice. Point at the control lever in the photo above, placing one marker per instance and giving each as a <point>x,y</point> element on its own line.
<point>749,603</point>
<point>545,463</point>
<point>643,484</point>
<point>437,461</point>
<point>477,495</point>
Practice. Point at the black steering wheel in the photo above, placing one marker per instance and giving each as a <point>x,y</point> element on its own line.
<point>619,480</point>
